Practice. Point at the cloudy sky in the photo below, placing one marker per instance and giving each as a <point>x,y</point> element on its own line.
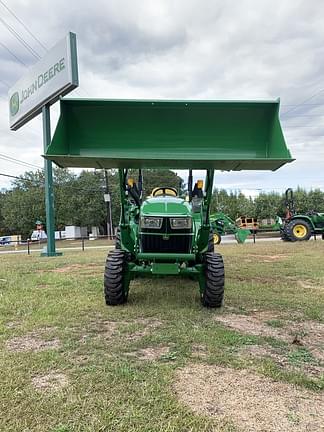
<point>180,49</point>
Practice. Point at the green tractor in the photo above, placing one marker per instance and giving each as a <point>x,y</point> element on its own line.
<point>300,227</point>
<point>223,224</point>
<point>164,235</point>
<point>167,234</point>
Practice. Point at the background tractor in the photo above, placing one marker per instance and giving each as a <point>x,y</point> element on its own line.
<point>300,227</point>
<point>167,234</point>
<point>223,224</point>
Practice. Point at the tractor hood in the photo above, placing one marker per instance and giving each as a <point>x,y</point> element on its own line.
<point>166,205</point>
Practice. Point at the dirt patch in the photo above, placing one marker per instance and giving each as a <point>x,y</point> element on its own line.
<point>150,353</point>
<point>253,325</point>
<point>307,365</point>
<point>75,268</point>
<point>258,351</point>
<point>13,324</point>
<point>31,342</point>
<point>148,324</point>
<point>309,334</point>
<point>103,328</point>
<point>269,258</point>
<point>109,329</point>
<point>199,351</point>
<point>81,360</point>
<point>52,381</point>
<point>251,402</point>
<point>256,279</point>
<point>310,284</point>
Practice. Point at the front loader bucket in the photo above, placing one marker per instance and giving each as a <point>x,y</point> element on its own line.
<point>241,235</point>
<point>169,134</point>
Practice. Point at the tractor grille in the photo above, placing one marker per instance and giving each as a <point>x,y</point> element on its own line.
<point>174,244</point>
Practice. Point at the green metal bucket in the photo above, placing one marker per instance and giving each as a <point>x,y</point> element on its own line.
<point>169,134</point>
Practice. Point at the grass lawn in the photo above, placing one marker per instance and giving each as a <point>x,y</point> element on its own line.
<point>70,363</point>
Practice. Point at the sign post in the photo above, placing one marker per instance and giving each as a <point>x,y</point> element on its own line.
<point>55,75</point>
<point>49,191</point>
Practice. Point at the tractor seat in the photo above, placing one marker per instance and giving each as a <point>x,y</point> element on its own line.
<point>159,191</point>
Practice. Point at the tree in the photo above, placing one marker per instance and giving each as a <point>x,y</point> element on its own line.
<point>268,205</point>
<point>24,204</point>
<point>2,226</point>
<point>78,199</point>
<point>234,204</point>
<point>316,200</point>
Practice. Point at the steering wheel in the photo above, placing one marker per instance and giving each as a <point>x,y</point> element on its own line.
<point>165,191</point>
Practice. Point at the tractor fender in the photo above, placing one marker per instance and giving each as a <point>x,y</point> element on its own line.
<point>305,218</point>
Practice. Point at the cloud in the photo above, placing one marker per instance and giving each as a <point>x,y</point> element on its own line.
<point>185,50</point>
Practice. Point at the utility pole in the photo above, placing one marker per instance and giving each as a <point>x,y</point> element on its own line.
<point>107,198</point>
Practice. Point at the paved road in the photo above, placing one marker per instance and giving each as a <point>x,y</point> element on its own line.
<point>231,239</point>
<point>228,239</point>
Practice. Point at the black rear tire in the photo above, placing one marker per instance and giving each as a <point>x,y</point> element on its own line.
<point>213,293</point>
<point>298,230</point>
<point>284,234</point>
<point>114,289</point>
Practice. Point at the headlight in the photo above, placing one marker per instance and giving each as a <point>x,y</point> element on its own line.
<point>151,222</point>
<point>180,223</point>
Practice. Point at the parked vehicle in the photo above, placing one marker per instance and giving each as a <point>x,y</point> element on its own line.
<point>5,240</point>
<point>300,227</point>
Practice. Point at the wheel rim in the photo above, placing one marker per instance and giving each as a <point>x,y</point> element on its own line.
<point>299,231</point>
<point>216,238</point>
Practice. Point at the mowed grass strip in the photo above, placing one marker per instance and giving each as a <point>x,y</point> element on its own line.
<point>69,363</point>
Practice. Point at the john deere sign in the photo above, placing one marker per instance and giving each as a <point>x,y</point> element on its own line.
<point>53,76</point>
<point>14,104</point>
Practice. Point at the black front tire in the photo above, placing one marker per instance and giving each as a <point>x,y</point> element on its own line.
<point>211,242</point>
<point>114,289</point>
<point>117,240</point>
<point>213,293</point>
<point>284,234</point>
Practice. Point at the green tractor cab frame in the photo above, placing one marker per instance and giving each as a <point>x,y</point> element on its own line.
<point>167,235</point>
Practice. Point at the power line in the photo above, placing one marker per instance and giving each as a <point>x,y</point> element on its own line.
<point>26,45</point>
<point>303,126</point>
<point>303,115</point>
<point>13,55</point>
<point>24,25</point>
<point>8,175</point>
<point>295,105</point>
<point>303,102</point>
<point>18,161</point>
<point>20,39</point>
<point>4,83</point>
